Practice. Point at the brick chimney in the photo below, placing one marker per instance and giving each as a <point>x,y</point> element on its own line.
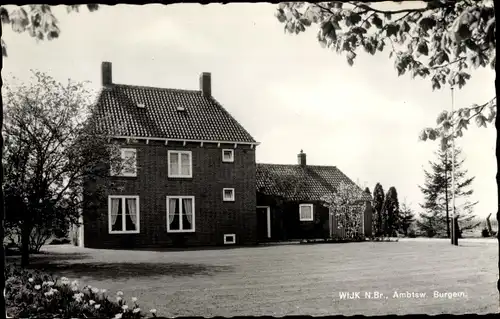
<point>106,74</point>
<point>206,84</point>
<point>301,158</point>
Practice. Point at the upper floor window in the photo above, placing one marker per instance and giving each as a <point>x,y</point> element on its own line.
<point>180,164</point>
<point>128,165</point>
<point>228,155</point>
<point>123,214</point>
<point>306,212</point>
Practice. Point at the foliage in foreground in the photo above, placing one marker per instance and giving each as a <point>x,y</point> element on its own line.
<point>54,154</point>
<point>32,294</point>
<point>35,19</point>
<point>441,40</point>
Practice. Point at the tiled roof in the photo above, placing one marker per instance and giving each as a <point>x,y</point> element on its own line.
<point>203,118</point>
<point>295,182</point>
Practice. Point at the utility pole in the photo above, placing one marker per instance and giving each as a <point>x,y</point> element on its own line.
<point>454,235</point>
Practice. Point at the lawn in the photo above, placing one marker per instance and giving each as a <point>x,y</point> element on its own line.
<point>291,279</point>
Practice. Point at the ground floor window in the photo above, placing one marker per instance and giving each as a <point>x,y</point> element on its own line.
<point>180,213</point>
<point>306,212</point>
<point>123,213</point>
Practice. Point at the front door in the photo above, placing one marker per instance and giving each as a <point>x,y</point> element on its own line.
<point>263,223</point>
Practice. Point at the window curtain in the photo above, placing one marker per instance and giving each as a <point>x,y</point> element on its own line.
<point>115,203</point>
<point>187,204</point>
<point>171,210</point>
<point>132,210</point>
<point>130,162</point>
<point>174,163</point>
<point>305,212</point>
<point>185,167</point>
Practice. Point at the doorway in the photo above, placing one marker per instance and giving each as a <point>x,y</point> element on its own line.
<point>263,223</point>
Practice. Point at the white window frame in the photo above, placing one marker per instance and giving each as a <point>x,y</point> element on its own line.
<point>227,242</point>
<point>224,195</point>
<point>231,159</point>
<point>180,198</point>
<point>121,173</point>
<point>123,199</point>
<point>180,164</point>
<point>312,212</point>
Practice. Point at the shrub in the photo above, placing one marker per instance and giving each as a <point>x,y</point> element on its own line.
<point>485,232</point>
<point>59,241</point>
<point>32,294</point>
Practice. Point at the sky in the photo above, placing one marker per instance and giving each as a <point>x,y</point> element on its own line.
<point>286,90</point>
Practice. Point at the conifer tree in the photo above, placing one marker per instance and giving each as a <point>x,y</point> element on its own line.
<point>378,204</point>
<point>391,212</point>
<point>437,191</point>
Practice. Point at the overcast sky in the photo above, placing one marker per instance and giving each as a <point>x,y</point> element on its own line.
<point>286,90</point>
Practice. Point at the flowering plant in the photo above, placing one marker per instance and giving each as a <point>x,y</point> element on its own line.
<point>35,295</point>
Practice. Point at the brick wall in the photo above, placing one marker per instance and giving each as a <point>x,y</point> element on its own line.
<point>286,224</point>
<point>213,216</point>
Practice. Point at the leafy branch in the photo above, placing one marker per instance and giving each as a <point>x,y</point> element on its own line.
<point>440,41</point>
<point>36,19</point>
<point>452,124</point>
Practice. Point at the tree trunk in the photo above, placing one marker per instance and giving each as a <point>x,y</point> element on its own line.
<point>446,196</point>
<point>2,204</point>
<point>488,224</point>
<point>457,228</point>
<point>25,245</point>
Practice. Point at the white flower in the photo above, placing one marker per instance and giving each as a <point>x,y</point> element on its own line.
<point>65,281</point>
<point>118,316</point>
<point>119,293</point>
<point>103,291</point>
<point>95,290</point>
<point>118,298</point>
<point>134,299</point>
<point>97,306</point>
<point>136,310</point>
<point>124,307</point>
<point>152,310</point>
<point>74,283</point>
<point>91,302</point>
<point>31,279</point>
<point>78,297</point>
<point>44,283</point>
<point>54,290</point>
<point>89,287</point>
<point>50,283</point>
<point>37,287</point>
<point>48,293</point>
<point>74,288</point>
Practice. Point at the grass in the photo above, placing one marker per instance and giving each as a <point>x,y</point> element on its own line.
<point>291,279</point>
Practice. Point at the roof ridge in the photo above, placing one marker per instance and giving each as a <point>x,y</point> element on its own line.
<point>153,88</point>
<point>205,118</point>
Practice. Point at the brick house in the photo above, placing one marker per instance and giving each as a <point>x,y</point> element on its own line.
<point>290,202</point>
<point>193,177</point>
